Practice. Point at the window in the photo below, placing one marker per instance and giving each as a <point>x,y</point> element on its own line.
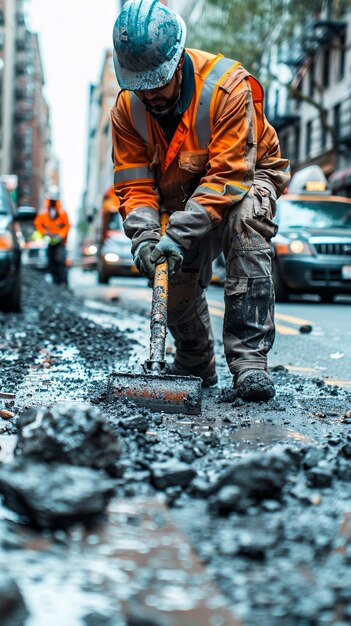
<point>324,132</point>
<point>276,103</point>
<point>300,91</point>
<point>297,142</point>
<point>342,55</point>
<point>326,68</point>
<point>337,126</point>
<point>312,79</point>
<point>308,137</point>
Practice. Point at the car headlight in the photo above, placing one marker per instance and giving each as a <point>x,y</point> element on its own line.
<point>111,257</point>
<point>296,246</point>
<point>6,241</point>
<point>90,250</point>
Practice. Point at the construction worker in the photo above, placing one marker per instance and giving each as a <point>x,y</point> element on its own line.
<point>190,137</point>
<point>52,223</point>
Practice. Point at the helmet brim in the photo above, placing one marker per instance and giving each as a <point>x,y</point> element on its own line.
<point>155,77</point>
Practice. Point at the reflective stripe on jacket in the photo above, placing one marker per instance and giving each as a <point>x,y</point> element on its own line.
<point>58,226</point>
<point>222,143</point>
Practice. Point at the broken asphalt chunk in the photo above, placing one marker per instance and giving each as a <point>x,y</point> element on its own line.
<point>171,474</point>
<point>259,475</point>
<point>312,456</point>
<point>13,611</point>
<point>319,477</point>
<point>54,495</point>
<point>136,422</point>
<point>75,434</point>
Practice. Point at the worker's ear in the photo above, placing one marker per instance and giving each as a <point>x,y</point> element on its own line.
<point>181,61</point>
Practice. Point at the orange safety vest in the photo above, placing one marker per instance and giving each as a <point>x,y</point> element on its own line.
<point>58,226</point>
<point>208,166</point>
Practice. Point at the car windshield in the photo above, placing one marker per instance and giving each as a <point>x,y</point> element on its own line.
<point>4,202</point>
<point>313,214</point>
<point>115,221</point>
<point>28,230</point>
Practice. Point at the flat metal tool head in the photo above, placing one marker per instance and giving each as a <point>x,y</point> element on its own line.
<point>158,392</point>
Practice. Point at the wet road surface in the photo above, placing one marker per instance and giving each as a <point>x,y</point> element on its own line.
<point>321,352</point>
<point>261,491</point>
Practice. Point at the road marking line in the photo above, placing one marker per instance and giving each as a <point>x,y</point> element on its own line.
<point>215,311</point>
<point>279,316</point>
<point>338,383</point>
<point>292,319</point>
<point>216,303</point>
<point>296,368</point>
<point>283,330</point>
<point>218,311</point>
<point>286,330</point>
<point>328,381</point>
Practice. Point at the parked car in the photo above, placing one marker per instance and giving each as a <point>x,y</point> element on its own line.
<point>35,254</point>
<point>35,248</point>
<point>10,255</point>
<point>115,257</point>
<point>313,244</point>
<point>88,256</point>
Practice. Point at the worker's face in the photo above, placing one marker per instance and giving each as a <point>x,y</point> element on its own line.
<point>162,100</point>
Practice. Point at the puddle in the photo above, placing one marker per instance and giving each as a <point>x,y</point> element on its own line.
<point>259,435</point>
<point>138,557</point>
<point>254,435</point>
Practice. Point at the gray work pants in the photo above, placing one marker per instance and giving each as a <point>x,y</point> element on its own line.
<point>248,331</point>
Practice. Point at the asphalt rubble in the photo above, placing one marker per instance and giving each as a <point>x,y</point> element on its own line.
<point>261,490</point>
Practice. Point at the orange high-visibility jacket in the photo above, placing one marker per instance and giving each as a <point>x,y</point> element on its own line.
<point>59,226</point>
<point>222,144</point>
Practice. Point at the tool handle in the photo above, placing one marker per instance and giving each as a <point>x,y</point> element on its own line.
<point>158,323</point>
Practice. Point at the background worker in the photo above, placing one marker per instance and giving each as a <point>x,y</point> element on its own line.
<point>190,136</point>
<point>52,222</point>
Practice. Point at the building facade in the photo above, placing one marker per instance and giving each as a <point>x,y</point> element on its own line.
<point>309,98</point>
<point>99,170</point>
<point>24,114</point>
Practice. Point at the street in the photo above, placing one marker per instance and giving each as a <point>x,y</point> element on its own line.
<point>148,147</point>
<point>322,353</point>
<point>222,490</point>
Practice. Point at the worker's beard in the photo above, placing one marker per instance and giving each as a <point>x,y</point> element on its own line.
<point>159,105</point>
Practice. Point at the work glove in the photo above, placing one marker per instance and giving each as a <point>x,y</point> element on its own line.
<point>55,240</point>
<point>168,249</point>
<point>142,258</point>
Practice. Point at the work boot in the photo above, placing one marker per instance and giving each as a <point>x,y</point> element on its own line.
<point>254,384</point>
<point>206,371</point>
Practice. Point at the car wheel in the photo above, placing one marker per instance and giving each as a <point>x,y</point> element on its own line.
<point>103,277</point>
<point>281,291</point>
<point>11,303</point>
<point>327,298</point>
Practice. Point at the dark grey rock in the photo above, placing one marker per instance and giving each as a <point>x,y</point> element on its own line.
<point>75,434</point>
<point>201,487</point>
<point>343,467</point>
<point>137,422</point>
<point>312,457</point>
<point>259,475</point>
<point>230,498</point>
<point>345,451</point>
<point>319,477</point>
<point>13,611</point>
<point>305,329</point>
<point>143,616</point>
<point>187,455</point>
<point>171,474</point>
<point>95,618</point>
<point>255,544</point>
<point>54,495</point>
